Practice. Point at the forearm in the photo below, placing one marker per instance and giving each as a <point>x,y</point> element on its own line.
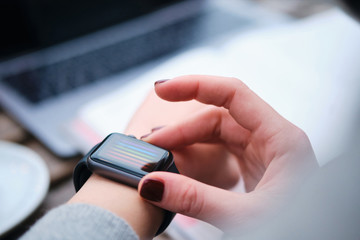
<point>80,221</point>
<point>123,201</point>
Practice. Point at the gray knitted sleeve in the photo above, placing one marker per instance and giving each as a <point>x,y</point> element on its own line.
<point>80,221</point>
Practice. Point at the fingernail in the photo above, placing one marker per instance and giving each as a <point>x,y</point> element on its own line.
<point>156,128</point>
<point>145,136</point>
<point>161,81</point>
<point>152,190</point>
<point>152,130</point>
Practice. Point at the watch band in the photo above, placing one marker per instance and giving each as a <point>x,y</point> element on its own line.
<point>82,173</point>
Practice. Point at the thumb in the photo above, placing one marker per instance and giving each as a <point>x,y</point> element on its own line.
<point>180,194</point>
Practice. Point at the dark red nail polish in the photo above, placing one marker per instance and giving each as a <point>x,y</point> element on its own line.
<point>157,128</point>
<point>146,135</point>
<point>152,130</point>
<point>152,190</point>
<point>161,81</point>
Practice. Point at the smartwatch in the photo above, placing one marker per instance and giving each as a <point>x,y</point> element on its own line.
<point>125,159</point>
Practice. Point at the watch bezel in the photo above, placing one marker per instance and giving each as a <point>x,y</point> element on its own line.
<point>122,174</point>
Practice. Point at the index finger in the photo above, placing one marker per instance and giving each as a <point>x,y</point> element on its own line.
<point>248,109</point>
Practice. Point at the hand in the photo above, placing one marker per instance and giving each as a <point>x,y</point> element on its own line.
<point>273,154</point>
<point>156,113</point>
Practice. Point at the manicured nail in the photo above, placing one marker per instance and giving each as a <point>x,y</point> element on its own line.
<point>145,136</point>
<point>161,81</point>
<point>152,130</point>
<point>156,128</point>
<point>152,190</point>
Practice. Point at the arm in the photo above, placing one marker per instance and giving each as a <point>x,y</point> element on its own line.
<point>123,201</point>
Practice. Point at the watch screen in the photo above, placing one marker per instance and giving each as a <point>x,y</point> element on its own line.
<point>129,154</point>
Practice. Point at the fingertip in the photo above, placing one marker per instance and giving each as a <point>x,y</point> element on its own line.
<point>158,82</point>
<point>152,189</point>
<point>146,136</point>
<point>173,192</point>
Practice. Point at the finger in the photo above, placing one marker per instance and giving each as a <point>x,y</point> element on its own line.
<point>209,125</point>
<point>183,195</point>
<point>245,106</point>
<point>208,163</point>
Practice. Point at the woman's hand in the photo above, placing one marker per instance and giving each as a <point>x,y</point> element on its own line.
<point>274,156</point>
<point>156,113</point>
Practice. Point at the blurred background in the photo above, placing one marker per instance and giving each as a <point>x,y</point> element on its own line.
<point>66,65</point>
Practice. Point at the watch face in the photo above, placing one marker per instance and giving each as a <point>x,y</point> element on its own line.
<point>129,154</point>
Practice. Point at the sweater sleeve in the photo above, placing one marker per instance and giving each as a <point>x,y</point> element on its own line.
<point>80,221</point>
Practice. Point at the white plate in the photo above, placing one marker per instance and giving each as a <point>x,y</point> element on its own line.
<point>24,182</point>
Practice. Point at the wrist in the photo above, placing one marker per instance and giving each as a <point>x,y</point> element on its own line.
<point>123,201</point>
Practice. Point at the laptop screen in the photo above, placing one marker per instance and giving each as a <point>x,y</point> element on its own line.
<point>34,24</point>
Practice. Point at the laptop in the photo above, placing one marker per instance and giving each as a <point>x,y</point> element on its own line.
<point>57,55</point>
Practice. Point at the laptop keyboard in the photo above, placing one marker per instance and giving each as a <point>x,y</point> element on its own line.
<point>49,81</point>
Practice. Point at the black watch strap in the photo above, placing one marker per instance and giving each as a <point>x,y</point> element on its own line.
<point>168,216</point>
<point>82,173</point>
